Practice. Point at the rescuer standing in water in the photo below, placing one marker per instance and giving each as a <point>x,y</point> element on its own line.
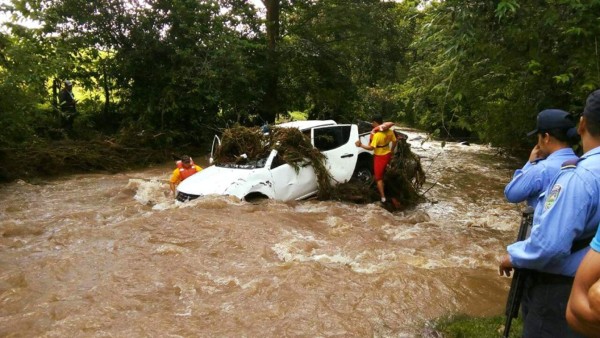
<point>185,168</point>
<point>382,152</point>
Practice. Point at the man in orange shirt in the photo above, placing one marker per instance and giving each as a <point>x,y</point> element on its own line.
<point>382,152</point>
<point>185,168</point>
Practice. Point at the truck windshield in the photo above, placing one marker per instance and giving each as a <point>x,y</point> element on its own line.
<point>245,164</point>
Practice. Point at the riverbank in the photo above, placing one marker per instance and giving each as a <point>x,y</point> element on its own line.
<point>48,158</point>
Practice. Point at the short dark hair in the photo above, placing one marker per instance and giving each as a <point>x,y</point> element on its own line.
<point>568,136</point>
<point>185,159</point>
<point>593,127</point>
<point>591,112</point>
<point>378,119</point>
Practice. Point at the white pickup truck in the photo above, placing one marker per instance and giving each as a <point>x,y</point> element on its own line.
<point>270,177</point>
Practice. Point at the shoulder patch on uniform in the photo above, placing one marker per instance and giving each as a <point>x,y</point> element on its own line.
<point>552,196</point>
<point>570,163</point>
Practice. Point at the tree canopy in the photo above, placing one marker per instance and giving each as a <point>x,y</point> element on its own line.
<point>170,72</point>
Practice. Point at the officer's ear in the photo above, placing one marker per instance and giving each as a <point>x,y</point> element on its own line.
<point>582,126</point>
<point>546,136</point>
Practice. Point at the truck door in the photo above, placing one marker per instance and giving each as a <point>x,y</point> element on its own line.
<point>213,149</point>
<point>290,184</point>
<point>337,144</point>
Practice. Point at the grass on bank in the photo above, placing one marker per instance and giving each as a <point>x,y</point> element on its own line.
<point>463,326</point>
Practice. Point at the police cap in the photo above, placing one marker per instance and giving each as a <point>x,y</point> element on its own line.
<point>550,119</point>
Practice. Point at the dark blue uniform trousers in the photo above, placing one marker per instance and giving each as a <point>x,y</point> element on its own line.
<point>544,305</point>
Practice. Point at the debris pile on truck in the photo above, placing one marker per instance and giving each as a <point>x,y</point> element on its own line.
<point>404,177</point>
<point>240,145</point>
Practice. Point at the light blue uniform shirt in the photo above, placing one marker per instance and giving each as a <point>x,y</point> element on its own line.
<point>569,212</point>
<point>530,181</point>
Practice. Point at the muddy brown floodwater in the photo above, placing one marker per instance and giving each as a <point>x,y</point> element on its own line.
<point>100,255</point>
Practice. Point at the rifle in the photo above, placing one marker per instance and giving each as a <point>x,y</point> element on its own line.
<point>516,286</point>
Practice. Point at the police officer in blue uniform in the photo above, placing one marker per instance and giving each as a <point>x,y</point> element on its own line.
<point>556,133</point>
<point>566,222</point>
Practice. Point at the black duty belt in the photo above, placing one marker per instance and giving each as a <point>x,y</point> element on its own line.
<point>550,278</point>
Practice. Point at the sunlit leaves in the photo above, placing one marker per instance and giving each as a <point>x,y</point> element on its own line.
<point>576,31</point>
<point>506,8</point>
<point>563,78</point>
<point>534,67</point>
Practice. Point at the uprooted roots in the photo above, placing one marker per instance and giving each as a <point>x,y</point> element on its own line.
<point>404,177</point>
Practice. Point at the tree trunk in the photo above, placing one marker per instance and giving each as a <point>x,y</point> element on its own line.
<point>270,105</point>
<point>106,91</point>
<point>55,87</point>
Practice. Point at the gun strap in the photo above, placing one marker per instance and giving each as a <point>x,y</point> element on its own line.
<point>581,244</point>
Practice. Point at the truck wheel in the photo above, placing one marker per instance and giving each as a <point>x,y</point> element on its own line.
<point>256,198</point>
<point>363,173</point>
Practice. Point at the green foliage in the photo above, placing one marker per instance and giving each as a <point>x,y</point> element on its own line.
<point>158,66</point>
<point>488,68</point>
<point>165,66</point>
<point>506,8</point>
<point>339,58</point>
<point>22,72</point>
<point>297,115</point>
<point>173,72</point>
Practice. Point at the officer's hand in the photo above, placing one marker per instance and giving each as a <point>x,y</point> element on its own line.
<point>535,154</point>
<point>505,267</point>
<point>358,143</point>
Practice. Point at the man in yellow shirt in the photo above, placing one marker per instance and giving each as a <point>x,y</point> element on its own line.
<point>185,168</point>
<point>382,152</point>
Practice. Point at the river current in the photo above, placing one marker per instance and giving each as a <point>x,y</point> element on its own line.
<point>113,255</point>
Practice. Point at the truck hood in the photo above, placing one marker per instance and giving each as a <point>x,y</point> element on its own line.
<point>216,180</point>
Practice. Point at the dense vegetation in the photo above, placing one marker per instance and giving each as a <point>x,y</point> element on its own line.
<point>165,74</point>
